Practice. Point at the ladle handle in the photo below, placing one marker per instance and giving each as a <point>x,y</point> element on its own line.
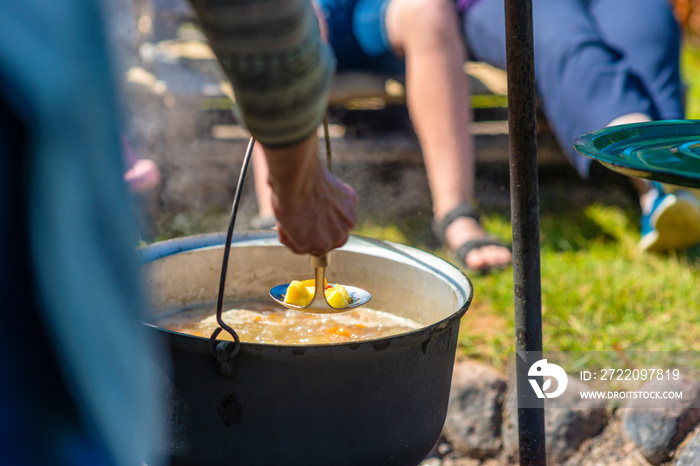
<point>319,264</point>
<point>321,261</point>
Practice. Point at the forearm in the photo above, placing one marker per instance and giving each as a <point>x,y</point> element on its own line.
<point>280,70</point>
<point>292,169</point>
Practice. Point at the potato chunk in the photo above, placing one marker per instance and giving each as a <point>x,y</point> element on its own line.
<point>297,294</point>
<point>337,296</point>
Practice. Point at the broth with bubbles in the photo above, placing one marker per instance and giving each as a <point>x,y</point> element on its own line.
<point>260,321</point>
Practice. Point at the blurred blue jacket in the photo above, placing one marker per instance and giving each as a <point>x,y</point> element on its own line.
<point>78,383</point>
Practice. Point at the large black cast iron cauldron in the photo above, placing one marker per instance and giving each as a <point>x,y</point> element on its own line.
<point>378,402</point>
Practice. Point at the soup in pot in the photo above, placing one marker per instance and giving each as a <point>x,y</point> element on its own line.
<point>261,321</point>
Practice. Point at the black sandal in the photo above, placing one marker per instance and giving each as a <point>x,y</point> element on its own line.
<point>461,253</point>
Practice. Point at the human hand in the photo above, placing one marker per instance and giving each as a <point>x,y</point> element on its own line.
<point>315,211</point>
<point>142,176</point>
<point>318,220</point>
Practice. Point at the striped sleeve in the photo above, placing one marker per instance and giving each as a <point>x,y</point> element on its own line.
<point>279,68</point>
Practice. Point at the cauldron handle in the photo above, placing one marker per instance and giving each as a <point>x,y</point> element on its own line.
<point>225,351</point>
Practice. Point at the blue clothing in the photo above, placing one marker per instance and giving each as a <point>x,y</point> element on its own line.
<point>595,60</point>
<point>78,382</point>
<point>464,4</point>
<point>357,34</point>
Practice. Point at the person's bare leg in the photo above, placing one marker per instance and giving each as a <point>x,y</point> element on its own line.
<point>263,192</point>
<point>427,33</point>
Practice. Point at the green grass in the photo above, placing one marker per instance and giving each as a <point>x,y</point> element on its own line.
<point>599,293</point>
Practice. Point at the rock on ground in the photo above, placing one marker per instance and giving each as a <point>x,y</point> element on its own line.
<point>659,426</point>
<point>610,447</point>
<point>689,454</point>
<point>474,414</point>
<point>569,421</point>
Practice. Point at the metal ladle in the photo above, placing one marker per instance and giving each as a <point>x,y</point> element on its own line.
<point>319,303</point>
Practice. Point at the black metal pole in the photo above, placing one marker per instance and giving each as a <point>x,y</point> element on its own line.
<point>525,219</point>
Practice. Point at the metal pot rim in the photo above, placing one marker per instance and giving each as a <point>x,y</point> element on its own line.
<point>356,244</point>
